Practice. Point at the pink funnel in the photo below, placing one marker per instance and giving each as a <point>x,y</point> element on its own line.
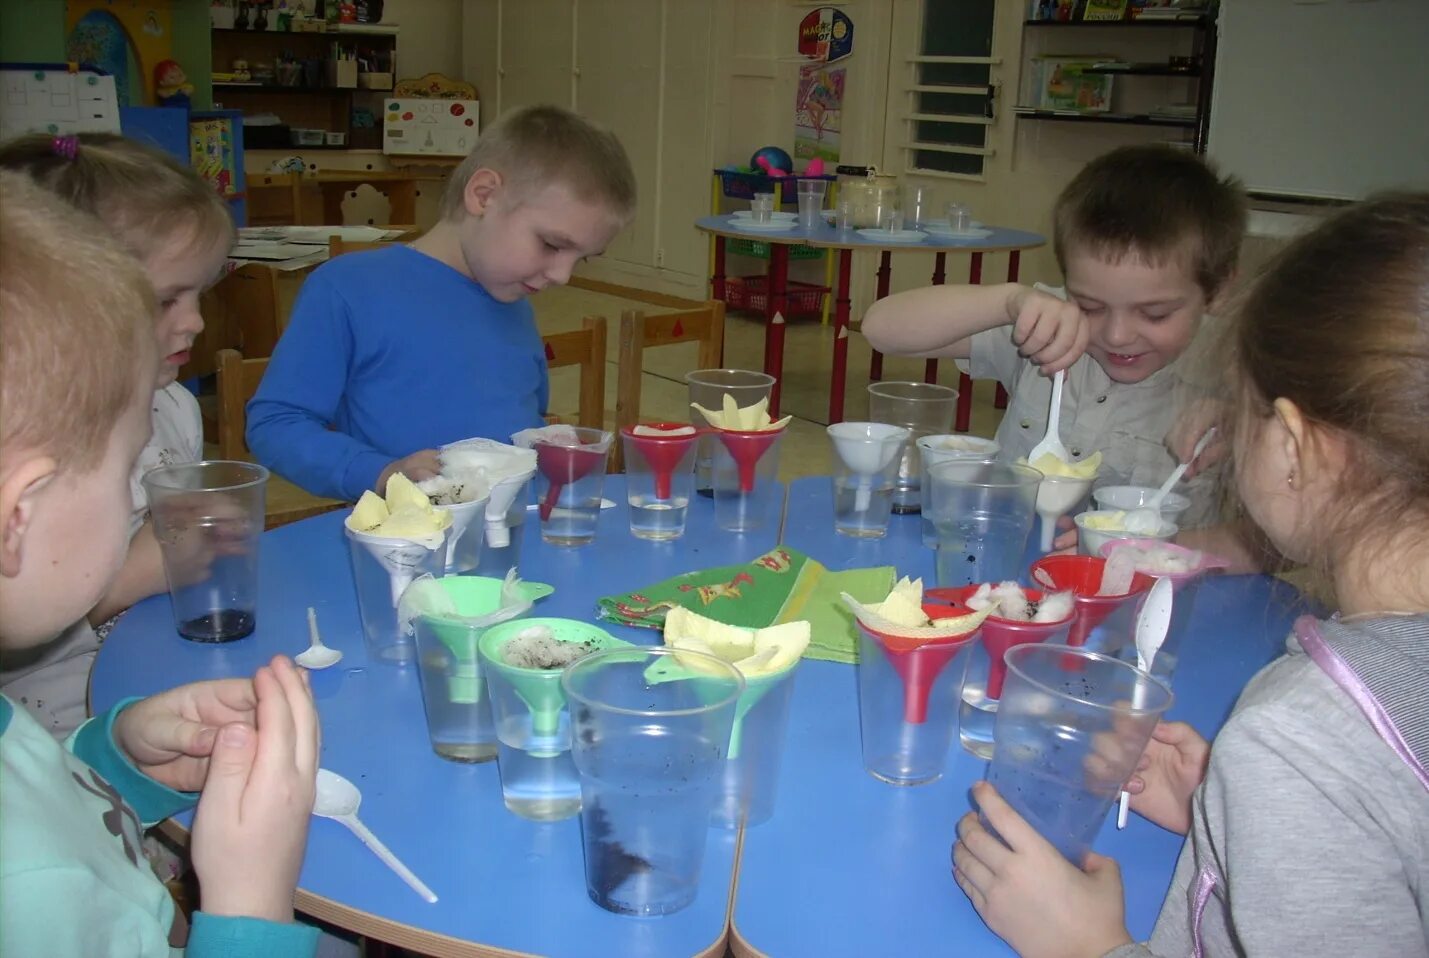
<point>1203,562</point>
<point>919,662</point>
<point>999,634</point>
<point>746,448</point>
<point>563,465</point>
<point>1082,576</point>
<point>662,452</point>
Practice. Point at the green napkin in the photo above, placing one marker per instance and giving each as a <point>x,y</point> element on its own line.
<point>783,585</point>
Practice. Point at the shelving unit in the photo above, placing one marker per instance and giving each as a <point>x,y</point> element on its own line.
<point>1046,37</point>
<point>315,102</point>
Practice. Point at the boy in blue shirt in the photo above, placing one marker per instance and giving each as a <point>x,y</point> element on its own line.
<point>78,360</point>
<point>393,353</point>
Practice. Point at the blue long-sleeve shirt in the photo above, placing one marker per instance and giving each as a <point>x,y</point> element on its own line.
<point>389,352</point>
<point>73,877</point>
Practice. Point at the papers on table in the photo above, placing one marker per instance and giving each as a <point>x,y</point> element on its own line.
<point>296,247</point>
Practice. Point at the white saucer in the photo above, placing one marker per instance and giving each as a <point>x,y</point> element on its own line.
<point>942,225</point>
<point>747,215</point>
<point>889,236</point>
<point>947,234</point>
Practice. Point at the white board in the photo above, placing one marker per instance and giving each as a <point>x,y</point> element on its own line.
<point>1322,98</point>
<point>45,100</point>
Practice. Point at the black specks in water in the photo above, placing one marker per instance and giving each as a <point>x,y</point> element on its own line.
<point>612,863</point>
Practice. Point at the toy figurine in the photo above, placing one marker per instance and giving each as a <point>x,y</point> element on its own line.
<point>260,20</point>
<point>240,71</point>
<point>171,86</point>
<point>240,22</point>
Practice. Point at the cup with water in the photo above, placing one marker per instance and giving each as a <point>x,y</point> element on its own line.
<point>924,409</point>
<point>659,477</point>
<point>983,513</point>
<point>1070,729</point>
<point>707,388</point>
<point>955,447</point>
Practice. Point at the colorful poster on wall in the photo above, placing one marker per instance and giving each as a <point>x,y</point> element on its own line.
<point>818,112</point>
<point>124,38</point>
<point>418,127</point>
<point>826,35</point>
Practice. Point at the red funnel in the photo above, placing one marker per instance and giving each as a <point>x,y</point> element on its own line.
<point>663,452</point>
<point>918,663</point>
<point>747,448</point>
<point>999,634</point>
<point>1082,575</point>
<point>563,465</point>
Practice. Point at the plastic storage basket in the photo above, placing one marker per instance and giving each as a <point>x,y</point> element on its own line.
<point>752,293</point>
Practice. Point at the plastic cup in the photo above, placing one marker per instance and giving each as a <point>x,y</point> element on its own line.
<point>750,782</point>
<point>208,517</point>
<point>867,455</point>
<point>906,696</point>
<point>1136,497</point>
<point>959,217</point>
<point>1186,586</point>
<point>917,202</point>
<point>746,496</point>
<point>708,388</point>
<point>382,569</point>
<point>983,513</point>
<point>1090,541</point>
<point>811,211</point>
<point>845,218</point>
<point>650,757</point>
<point>533,725</point>
<point>659,480</point>
<point>956,447</point>
<point>1070,728</point>
<point>925,409</point>
<point>570,478</point>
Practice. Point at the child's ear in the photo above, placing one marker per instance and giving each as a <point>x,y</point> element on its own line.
<point>1312,454</point>
<point>20,485</point>
<point>481,188</point>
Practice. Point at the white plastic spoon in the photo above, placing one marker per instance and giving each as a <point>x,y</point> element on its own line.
<point>1150,513</point>
<point>1152,624</point>
<point>338,799</point>
<point>316,655</point>
<point>1052,441</point>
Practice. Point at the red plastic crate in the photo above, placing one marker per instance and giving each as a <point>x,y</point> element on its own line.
<point>752,293</point>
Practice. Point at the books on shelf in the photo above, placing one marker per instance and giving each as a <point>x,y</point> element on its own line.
<point>1096,10</point>
<point>1062,83</point>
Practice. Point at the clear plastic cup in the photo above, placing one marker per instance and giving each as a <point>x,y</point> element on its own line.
<point>746,464</point>
<point>208,517</point>
<point>1186,584</point>
<point>532,722</point>
<point>917,203</point>
<point>750,782</point>
<point>925,409</point>
<point>811,203</point>
<point>570,479</point>
<point>644,829</point>
<point>382,569</point>
<point>659,479</point>
<point>845,218</point>
<point>983,512</point>
<point>1070,728</point>
<point>1135,497</point>
<point>708,387</point>
<point>906,697</point>
<point>867,456</point>
<point>960,219</point>
<point>956,447</point>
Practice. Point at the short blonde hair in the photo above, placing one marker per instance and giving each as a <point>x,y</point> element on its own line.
<point>76,328</point>
<point>145,196</point>
<point>538,145</point>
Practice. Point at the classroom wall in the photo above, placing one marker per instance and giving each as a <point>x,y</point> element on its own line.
<point>431,37</point>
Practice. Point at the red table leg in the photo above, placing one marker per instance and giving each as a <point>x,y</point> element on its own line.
<point>885,270</point>
<point>940,261</point>
<point>778,303</point>
<point>840,372</point>
<point>717,280</point>
<point>1014,260</point>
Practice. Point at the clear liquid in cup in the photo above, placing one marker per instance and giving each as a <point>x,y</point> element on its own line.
<point>976,712</point>
<point>862,512</point>
<point>538,777</point>
<point>976,549</point>
<point>1064,812</point>
<point>652,518</point>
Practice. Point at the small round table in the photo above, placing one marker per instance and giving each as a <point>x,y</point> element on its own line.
<point>826,236</point>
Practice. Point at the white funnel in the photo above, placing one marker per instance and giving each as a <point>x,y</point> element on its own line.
<point>867,449</point>
<point>1056,495</point>
<point>463,498</point>
<point>506,467</point>
<point>401,558</point>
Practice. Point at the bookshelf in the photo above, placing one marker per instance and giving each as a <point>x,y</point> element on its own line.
<point>1170,60</point>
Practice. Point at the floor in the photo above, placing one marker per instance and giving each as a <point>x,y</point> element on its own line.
<point>808,360</point>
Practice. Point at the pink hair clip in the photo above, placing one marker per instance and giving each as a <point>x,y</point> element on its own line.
<point>66,146</point>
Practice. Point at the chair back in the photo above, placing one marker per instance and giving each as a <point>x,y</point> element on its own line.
<point>584,347</point>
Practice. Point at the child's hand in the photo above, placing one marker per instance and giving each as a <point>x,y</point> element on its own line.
<point>1191,426</point>
<point>1046,330</point>
<point>1066,541</point>
<point>420,465</point>
<point>1031,896</point>
<point>252,822</point>
<point>170,736</point>
<point>1173,764</point>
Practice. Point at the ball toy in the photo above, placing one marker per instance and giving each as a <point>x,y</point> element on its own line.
<point>774,159</point>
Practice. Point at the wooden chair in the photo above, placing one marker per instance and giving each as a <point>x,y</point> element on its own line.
<point>639,332</point>
<point>238,380</point>
<point>336,246</point>
<point>584,347</point>
<point>275,199</point>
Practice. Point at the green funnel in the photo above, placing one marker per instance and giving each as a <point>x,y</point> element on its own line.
<point>669,668</point>
<point>540,687</point>
<point>458,609</point>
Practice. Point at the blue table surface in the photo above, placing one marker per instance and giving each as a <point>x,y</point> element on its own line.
<point>849,865</point>
<point>828,235</point>
<point>446,821</point>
